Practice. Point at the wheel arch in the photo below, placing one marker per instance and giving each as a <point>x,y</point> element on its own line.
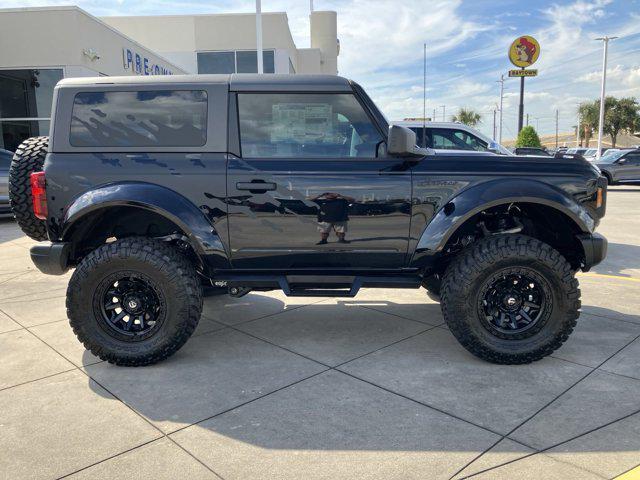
<point>92,212</point>
<point>457,214</point>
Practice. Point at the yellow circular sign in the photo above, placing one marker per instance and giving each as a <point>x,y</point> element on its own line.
<point>524,51</point>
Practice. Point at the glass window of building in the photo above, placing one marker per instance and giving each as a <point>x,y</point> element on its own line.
<point>25,104</point>
<point>216,62</point>
<point>241,61</point>
<point>159,118</point>
<point>305,125</point>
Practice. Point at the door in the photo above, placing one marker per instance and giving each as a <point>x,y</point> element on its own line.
<point>313,187</point>
<point>630,170</point>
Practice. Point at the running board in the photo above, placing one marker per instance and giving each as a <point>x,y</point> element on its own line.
<point>315,285</point>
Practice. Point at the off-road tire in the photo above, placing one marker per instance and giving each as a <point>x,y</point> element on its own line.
<point>433,284</point>
<point>173,275</point>
<point>28,158</point>
<point>460,294</point>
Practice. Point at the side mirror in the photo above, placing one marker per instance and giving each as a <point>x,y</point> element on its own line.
<point>402,143</point>
<point>621,161</point>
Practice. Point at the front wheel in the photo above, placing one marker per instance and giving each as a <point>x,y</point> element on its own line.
<point>134,302</point>
<point>510,299</point>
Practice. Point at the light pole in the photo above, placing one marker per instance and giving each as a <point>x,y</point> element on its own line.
<point>605,42</point>
<point>444,118</point>
<point>501,81</point>
<point>424,97</point>
<point>259,35</point>
<point>556,129</point>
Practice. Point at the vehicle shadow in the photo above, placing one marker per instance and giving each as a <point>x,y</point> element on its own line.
<point>216,377</point>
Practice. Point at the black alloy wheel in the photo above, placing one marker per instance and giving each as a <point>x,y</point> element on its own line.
<point>514,302</point>
<point>131,305</point>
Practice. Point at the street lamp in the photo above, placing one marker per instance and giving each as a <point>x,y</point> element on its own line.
<point>259,35</point>
<point>605,42</point>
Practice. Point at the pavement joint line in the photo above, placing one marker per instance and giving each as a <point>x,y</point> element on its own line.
<point>600,369</point>
<point>17,275</point>
<point>597,368</point>
<point>399,316</point>
<point>318,361</point>
<point>13,330</point>
<point>84,372</point>
<point>424,404</point>
<point>627,475</point>
<point>48,323</point>
<point>230,409</point>
<point>608,317</point>
<point>66,475</point>
<point>327,369</point>
<point>543,450</point>
<point>296,307</point>
<point>13,299</point>
<point>335,367</point>
<point>39,378</point>
<point>618,374</point>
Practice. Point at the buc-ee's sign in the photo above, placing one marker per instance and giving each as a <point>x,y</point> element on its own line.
<point>141,65</point>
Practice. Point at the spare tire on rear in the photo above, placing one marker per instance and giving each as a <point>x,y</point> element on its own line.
<point>29,158</point>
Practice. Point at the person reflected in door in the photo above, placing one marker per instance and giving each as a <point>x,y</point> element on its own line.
<point>333,214</point>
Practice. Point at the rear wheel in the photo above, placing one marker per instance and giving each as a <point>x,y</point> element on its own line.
<point>510,299</point>
<point>134,302</point>
<point>29,158</point>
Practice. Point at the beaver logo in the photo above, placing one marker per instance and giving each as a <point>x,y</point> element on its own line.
<point>524,51</point>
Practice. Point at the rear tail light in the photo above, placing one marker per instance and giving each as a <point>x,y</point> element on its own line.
<point>39,195</point>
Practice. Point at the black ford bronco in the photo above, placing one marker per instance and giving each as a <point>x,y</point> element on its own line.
<point>156,189</point>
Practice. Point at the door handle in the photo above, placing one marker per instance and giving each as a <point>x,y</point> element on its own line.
<point>256,186</point>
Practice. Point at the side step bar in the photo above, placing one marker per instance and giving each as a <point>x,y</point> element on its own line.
<point>315,285</point>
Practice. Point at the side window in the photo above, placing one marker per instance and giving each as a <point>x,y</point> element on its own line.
<point>158,118</point>
<point>423,137</point>
<point>633,159</point>
<point>452,139</point>
<point>305,125</point>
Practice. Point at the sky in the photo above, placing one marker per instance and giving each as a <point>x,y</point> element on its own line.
<point>467,44</point>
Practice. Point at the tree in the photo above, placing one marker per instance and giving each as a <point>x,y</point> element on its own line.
<point>619,115</point>
<point>467,116</point>
<point>528,138</point>
<point>588,113</point>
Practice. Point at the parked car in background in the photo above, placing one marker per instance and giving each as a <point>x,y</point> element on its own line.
<point>620,166</point>
<point>531,152</point>
<point>590,154</point>
<point>5,163</point>
<point>449,136</point>
<point>576,151</point>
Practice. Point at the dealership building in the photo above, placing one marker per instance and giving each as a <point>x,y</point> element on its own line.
<point>43,45</point>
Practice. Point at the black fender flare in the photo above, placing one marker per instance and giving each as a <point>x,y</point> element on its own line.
<point>471,201</point>
<point>192,221</point>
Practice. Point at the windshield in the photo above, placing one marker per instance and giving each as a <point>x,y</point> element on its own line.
<point>591,151</point>
<point>611,156</point>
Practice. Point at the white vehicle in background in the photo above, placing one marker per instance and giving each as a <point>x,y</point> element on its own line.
<point>590,154</point>
<point>451,136</point>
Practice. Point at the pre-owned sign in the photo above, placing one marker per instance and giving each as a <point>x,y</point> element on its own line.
<point>523,73</point>
<point>141,65</point>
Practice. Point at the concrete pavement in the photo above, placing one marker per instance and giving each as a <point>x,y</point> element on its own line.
<point>277,387</point>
